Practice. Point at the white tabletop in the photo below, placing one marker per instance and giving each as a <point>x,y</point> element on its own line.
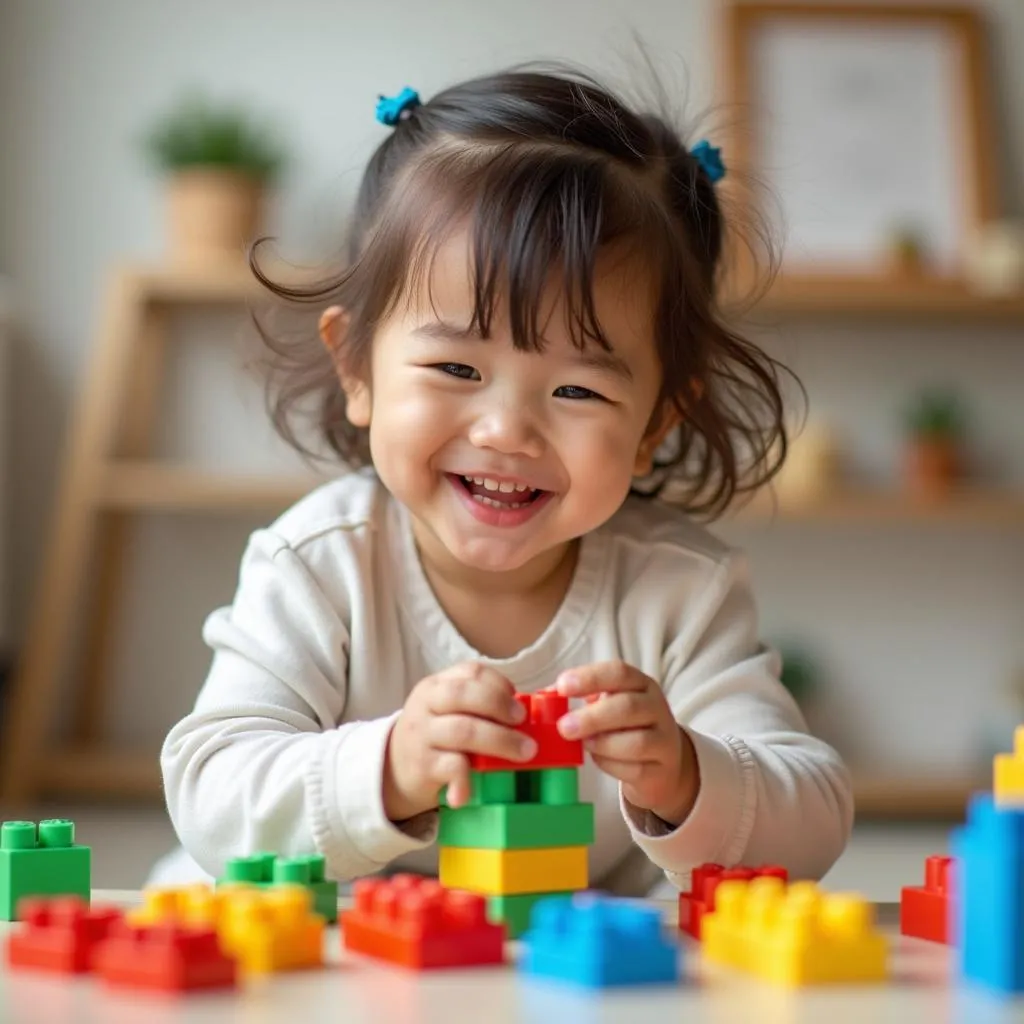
<point>352,990</point>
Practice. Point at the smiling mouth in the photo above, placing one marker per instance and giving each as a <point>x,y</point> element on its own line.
<point>518,498</point>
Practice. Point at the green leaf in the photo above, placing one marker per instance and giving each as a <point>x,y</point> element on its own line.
<point>196,132</point>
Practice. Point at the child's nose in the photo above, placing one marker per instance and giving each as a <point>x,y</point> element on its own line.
<point>509,430</point>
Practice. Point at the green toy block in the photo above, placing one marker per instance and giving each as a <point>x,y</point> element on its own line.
<point>516,826</point>
<point>551,786</point>
<point>264,870</point>
<point>514,911</point>
<point>41,860</point>
<point>488,788</point>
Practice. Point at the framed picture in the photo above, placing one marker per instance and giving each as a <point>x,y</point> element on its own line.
<point>870,127</point>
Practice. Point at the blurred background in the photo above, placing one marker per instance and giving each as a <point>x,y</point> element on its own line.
<point>136,456</point>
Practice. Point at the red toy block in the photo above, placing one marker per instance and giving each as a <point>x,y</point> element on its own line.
<point>543,710</point>
<point>59,934</point>
<point>418,923</point>
<point>924,910</point>
<point>700,900</point>
<point>165,957</point>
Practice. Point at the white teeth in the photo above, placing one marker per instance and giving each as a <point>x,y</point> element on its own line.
<point>499,504</point>
<point>505,487</point>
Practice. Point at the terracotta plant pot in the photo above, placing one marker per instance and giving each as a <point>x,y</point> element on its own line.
<point>212,214</point>
<point>933,465</point>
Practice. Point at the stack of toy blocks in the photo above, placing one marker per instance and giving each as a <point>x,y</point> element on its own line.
<point>704,882</point>
<point>265,870</point>
<point>988,909</point>
<point>524,833</point>
<point>598,942</point>
<point>416,922</point>
<point>41,860</point>
<point>795,935</point>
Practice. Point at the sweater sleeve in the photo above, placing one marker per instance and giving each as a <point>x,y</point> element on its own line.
<point>770,793</point>
<point>261,762</point>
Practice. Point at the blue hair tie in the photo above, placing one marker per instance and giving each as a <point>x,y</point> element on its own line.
<point>710,160</point>
<point>391,108</point>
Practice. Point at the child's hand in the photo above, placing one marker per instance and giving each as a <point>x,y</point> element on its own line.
<point>466,709</point>
<point>630,731</point>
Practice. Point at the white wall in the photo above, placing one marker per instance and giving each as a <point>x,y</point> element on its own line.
<point>916,626</point>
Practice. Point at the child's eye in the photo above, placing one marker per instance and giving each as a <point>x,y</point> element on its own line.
<point>460,370</point>
<point>575,392</point>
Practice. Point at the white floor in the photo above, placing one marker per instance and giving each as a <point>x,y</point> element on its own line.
<point>126,841</point>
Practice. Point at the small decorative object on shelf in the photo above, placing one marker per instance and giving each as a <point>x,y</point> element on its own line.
<point>907,251</point>
<point>812,467</point>
<point>934,444</point>
<point>994,263</point>
<point>220,163</point>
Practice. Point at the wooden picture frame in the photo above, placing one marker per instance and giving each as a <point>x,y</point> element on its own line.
<point>919,67</point>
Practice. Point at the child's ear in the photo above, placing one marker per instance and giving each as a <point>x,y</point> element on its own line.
<point>332,327</point>
<point>644,463</point>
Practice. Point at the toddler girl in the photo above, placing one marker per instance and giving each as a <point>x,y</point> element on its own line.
<point>520,356</point>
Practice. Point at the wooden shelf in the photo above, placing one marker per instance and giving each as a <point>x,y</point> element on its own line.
<point>918,298</point>
<point>90,772</point>
<point>227,282</point>
<point>978,507</point>
<point>157,486</point>
<point>914,798</point>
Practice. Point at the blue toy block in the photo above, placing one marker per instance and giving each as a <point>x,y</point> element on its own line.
<point>988,911</point>
<point>598,942</point>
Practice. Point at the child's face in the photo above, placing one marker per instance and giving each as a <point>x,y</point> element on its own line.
<point>571,427</point>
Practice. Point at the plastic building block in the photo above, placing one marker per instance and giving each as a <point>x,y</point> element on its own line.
<point>167,957</point>
<point>795,935</point>
<point>925,910</point>
<point>551,786</point>
<point>553,751</point>
<point>598,942</point>
<point>266,869</point>
<point>417,923</point>
<point>197,905</point>
<point>41,860</point>
<point>700,900</point>
<point>988,911</point>
<point>272,929</point>
<point>498,872</point>
<point>1008,773</point>
<point>59,934</point>
<point>554,787</point>
<point>515,911</point>
<point>516,826</point>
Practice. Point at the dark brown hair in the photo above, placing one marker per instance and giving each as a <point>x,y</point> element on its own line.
<point>548,169</point>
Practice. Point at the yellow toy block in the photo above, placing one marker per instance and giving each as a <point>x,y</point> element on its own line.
<point>197,904</point>
<point>272,929</point>
<point>507,872</point>
<point>1008,774</point>
<point>795,935</point>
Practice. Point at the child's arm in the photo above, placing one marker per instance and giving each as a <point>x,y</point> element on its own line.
<point>769,792</point>
<point>260,763</point>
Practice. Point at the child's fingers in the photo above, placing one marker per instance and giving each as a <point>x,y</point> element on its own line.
<point>452,770</point>
<point>467,734</point>
<point>475,690</point>
<point>629,772</point>
<point>600,676</point>
<point>630,710</point>
<point>627,745</point>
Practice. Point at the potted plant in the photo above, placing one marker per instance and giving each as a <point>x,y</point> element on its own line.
<point>220,162</point>
<point>934,460</point>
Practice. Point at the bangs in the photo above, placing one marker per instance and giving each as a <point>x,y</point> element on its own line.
<point>531,213</point>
